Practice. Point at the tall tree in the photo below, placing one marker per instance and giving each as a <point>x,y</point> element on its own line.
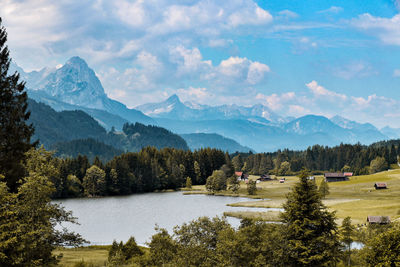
<point>311,233</point>
<point>15,134</point>
<point>347,233</point>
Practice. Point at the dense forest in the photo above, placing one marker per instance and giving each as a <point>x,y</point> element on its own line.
<point>134,172</point>
<point>345,157</point>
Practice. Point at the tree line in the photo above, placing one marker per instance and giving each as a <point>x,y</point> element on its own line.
<point>356,158</point>
<point>135,172</point>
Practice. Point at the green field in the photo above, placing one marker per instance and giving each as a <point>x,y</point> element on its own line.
<point>93,256</point>
<point>356,198</point>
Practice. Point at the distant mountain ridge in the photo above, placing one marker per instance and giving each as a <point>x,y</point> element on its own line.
<point>75,86</point>
<point>173,108</point>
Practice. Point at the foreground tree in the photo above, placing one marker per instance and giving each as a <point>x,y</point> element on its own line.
<point>15,134</point>
<point>311,235</point>
<point>28,219</point>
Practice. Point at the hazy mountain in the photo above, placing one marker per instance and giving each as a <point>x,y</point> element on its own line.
<point>203,140</point>
<point>353,125</point>
<point>76,84</point>
<point>173,108</point>
<point>392,133</point>
<point>310,124</point>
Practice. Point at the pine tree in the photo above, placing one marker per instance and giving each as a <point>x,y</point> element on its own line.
<point>15,134</point>
<point>323,188</point>
<point>347,233</point>
<point>310,230</point>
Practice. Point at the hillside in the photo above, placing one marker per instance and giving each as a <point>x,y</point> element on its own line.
<point>89,147</point>
<point>203,140</point>
<point>52,126</point>
<point>75,132</point>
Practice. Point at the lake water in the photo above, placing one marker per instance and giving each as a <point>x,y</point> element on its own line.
<point>104,219</point>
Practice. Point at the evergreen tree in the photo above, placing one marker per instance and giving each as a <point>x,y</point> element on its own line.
<point>323,188</point>
<point>251,187</point>
<point>15,134</point>
<point>310,230</point>
<point>347,232</point>
<point>237,162</point>
<point>188,183</point>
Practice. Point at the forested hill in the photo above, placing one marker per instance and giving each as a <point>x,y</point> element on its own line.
<point>56,130</point>
<point>203,140</point>
<point>52,126</point>
<point>89,147</point>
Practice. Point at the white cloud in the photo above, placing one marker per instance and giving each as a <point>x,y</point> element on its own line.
<point>354,70</point>
<point>189,61</point>
<point>277,102</point>
<point>396,73</point>
<point>332,10</point>
<point>197,95</point>
<point>256,72</point>
<point>386,29</point>
<point>322,92</point>
<point>288,14</point>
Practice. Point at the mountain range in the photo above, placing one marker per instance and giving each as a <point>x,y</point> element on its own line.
<point>75,86</point>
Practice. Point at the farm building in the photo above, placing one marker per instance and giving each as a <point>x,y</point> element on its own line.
<point>264,177</point>
<point>378,219</point>
<point>241,175</point>
<point>335,177</point>
<point>380,186</point>
<point>348,174</point>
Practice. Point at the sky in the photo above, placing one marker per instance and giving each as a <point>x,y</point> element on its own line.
<point>296,57</point>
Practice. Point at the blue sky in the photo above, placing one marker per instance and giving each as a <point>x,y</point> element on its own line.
<point>296,57</point>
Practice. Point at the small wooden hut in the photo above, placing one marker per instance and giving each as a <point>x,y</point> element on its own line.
<point>378,219</point>
<point>380,186</point>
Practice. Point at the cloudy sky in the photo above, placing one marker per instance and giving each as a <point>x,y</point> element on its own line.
<point>296,57</point>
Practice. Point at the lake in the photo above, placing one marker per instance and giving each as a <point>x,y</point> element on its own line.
<point>104,219</point>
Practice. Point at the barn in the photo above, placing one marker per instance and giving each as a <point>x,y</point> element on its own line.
<point>380,186</point>
<point>335,177</point>
<point>378,219</point>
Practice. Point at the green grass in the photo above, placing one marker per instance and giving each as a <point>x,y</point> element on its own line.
<point>356,198</point>
<point>95,256</point>
<point>270,216</point>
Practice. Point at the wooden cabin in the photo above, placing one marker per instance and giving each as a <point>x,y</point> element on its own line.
<point>378,219</point>
<point>335,177</point>
<point>264,177</point>
<point>380,186</point>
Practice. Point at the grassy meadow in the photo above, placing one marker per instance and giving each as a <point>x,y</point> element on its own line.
<point>93,255</point>
<point>356,198</point>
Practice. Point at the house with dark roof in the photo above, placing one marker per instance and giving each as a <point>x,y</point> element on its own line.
<point>264,177</point>
<point>380,186</point>
<point>378,219</point>
<point>335,177</point>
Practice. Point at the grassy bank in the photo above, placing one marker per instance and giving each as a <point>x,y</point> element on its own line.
<point>356,198</point>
